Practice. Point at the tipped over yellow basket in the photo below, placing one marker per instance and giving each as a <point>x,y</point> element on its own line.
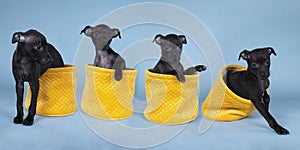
<point>57,93</point>
<point>170,101</point>
<point>104,97</point>
<point>222,104</point>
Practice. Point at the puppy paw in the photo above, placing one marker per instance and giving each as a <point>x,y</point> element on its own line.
<point>18,120</point>
<point>181,79</point>
<point>28,122</point>
<point>200,68</point>
<point>281,131</point>
<point>118,77</point>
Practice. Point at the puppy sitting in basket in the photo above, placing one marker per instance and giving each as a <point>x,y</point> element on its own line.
<point>102,36</point>
<point>169,63</point>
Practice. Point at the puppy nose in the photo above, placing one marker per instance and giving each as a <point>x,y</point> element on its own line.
<point>44,61</point>
<point>265,74</point>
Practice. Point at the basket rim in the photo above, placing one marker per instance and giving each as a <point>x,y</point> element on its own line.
<point>65,68</point>
<point>227,90</point>
<point>148,73</point>
<point>90,67</point>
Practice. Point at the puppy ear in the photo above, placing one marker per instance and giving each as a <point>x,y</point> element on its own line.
<point>270,50</point>
<point>158,39</point>
<point>244,54</point>
<point>182,39</point>
<point>116,32</point>
<point>18,37</point>
<point>87,30</point>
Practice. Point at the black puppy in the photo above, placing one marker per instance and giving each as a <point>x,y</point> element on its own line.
<point>102,36</point>
<point>31,59</point>
<point>169,63</point>
<point>252,83</point>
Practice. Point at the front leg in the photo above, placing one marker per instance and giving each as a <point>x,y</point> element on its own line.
<point>270,119</point>
<point>179,75</point>
<point>119,65</point>
<point>97,61</point>
<point>193,70</point>
<point>190,71</point>
<point>20,91</point>
<point>266,100</point>
<point>34,87</point>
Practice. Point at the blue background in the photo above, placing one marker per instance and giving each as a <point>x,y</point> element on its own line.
<point>236,25</point>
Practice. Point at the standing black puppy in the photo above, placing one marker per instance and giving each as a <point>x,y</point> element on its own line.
<point>31,59</point>
<point>252,83</point>
<point>102,36</point>
<point>169,63</point>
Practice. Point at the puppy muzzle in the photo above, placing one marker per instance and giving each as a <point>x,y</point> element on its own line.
<point>45,61</point>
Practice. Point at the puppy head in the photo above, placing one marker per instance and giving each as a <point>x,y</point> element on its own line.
<point>33,44</point>
<point>171,45</point>
<point>258,61</point>
<point>101,35</point>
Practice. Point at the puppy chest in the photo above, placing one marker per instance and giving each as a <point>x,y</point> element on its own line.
<point>107,61</point>
<point>25,68</point>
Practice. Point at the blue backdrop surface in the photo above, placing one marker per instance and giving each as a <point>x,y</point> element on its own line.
<point>235,26</point>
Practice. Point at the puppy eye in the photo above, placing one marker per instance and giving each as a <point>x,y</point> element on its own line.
<point>167,48</point>
<point>254,65</point>
<point>267,62</point>
<point>38,47</point>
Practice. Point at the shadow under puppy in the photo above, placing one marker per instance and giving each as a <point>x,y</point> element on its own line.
<point>169,63</point>
<point>253,83</point>
<point>102,36</point>
<point>31,59</point>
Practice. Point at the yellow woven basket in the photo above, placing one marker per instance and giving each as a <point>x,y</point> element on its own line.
<point>222,104</point>
<point>170,101</point>
<point>104,97</point>
<point>57,94</point>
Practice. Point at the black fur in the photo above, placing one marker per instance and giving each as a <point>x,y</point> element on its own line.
<point>31,59</point>
<point>102,36</point>
<point>252,83</point>
<point>169,63</point>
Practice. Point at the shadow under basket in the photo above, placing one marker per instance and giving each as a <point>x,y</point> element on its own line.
<point>57,93</point>
<point>222,104</point>
<point>170,101</point>
<point>104,97</point>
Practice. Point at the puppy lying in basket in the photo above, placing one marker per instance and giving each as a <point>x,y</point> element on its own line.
<point>169,63</point>
<point>253,82</point>
<point>102,36</point>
